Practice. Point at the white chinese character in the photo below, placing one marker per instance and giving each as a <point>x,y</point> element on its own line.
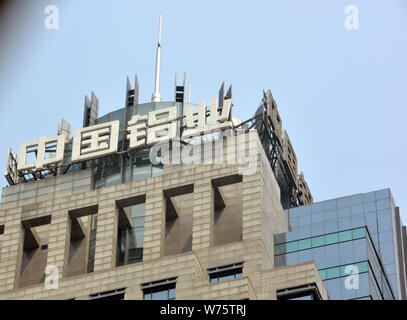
<point>95,141</point>
<point>39,148</point>
<point>213,124</point>
<point>11,169</point>
<point>137,131</point>
<point>164,128</point>
<point>191,128</point>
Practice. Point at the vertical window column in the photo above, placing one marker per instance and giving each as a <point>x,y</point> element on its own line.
<point>82,240</point>
<point>227,209</point>
<point>178,219</point>
<point>130,232</point>
<point>34,251</point>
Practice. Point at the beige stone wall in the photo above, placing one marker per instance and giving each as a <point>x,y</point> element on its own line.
<point>178,234</point>
<point>227,227</point>
<point>268,282</point>
<point>261,217</point>
<point>78,249</point>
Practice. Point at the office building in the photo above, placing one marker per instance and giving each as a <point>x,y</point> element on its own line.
<point>177,200</point>
<point>362,231</point>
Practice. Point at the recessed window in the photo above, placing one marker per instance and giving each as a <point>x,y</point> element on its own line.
<point>130,240</point>
<point>178,219</point>
<point>159,290</point>
<point>305,297</point>
<point>306,292</point>
<point>34,254</point>
<point>117,294</point>
<point>227,222</point>
<point>228,272</point>
<point>92,242</point>
<point>82,240</point>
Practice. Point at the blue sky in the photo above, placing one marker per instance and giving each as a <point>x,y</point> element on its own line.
<point>340,93</point>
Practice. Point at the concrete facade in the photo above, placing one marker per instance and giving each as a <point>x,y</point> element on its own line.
<point>221,218</point>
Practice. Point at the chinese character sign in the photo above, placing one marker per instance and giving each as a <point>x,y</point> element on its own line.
<point>95,141</point>
<point>201,127</point>
<point>39,147</point>
<point>162,128</point>
<point>137,131</point>
<point>102,139</point>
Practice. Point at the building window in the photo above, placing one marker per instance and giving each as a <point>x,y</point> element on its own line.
<point>33,260</point>
<point>82,240</point>
<point>1,233</point>
<point>117,294</point>
<point>227,221</point>
<point>159,290</point>
<point>232,271</point>
<point>130,240</point>
<point>116,169</point>
<point>92,242</point>
<point>107,171</point>
<point>307,292</point>
<point>178,219</point>
<point>320,241</point>
<point>303,297</point>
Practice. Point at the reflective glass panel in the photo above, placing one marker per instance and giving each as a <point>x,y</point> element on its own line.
<point>343,202</point>
<point>344,212</point>
<point>358,233</point>
<point>382,194</point>
<point>331,238</point>
<point>292,246</point>
<point>345,235</point>
<point>318,241</point>
<point>319,256</point>
<point>318,229</point>
<point>356,199</point>
<point>383,204</point>
<point>356,209</point>
<point>346,252</point>
<point>333,273</point>
<point>304,244</point>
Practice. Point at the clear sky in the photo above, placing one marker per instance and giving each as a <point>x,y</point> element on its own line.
<point>341,93</point>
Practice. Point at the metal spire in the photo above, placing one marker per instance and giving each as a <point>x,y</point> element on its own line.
<point>156,97</point>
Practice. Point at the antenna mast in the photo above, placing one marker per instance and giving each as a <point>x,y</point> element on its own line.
<point>156,97</point>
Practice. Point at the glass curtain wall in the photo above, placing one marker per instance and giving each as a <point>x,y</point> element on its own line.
<point>331,233</point>
<point>136,164</point>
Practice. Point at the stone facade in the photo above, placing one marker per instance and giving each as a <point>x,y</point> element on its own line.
<point>225,218</point>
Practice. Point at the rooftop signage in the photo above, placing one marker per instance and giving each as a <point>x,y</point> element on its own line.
<point>102,140</point>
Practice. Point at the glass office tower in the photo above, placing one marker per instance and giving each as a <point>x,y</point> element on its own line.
<point>361,233</point>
